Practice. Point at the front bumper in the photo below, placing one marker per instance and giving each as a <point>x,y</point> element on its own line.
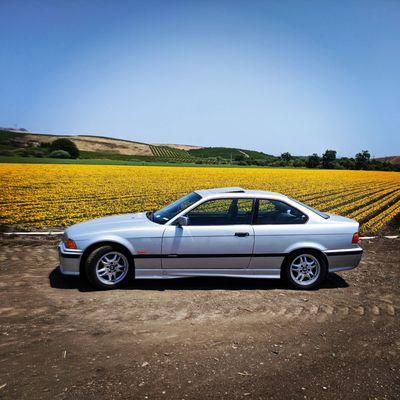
<point>342,260</point>
<point>69,260</point>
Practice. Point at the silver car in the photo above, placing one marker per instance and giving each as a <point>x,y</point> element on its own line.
<point>228,232</point>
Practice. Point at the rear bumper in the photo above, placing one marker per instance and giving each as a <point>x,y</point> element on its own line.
<point>69,260</point>
<point>342,260</point>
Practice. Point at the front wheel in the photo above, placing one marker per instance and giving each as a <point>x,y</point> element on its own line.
<point>108,267</point>
<point>305,270</point>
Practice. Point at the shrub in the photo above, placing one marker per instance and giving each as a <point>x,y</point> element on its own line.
<point>59,154</point>
<point>39,153</point>
<point>22,152</point>
<point>65,145</point>
<point>240,157</point>
<point>279,164</point>
<point>298,163</point>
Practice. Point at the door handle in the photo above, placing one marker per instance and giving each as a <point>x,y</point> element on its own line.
<point>242,234</point>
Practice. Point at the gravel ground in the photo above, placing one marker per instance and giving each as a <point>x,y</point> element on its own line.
<point>198,338</point>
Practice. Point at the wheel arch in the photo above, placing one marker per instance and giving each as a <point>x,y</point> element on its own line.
<point>311,249</point>
<point>89,249</point>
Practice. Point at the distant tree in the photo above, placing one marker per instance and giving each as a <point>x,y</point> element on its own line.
<point>347,163</point>
<point>66,145</point>
<point>328,159</point>
<point>298,163</point>
<point>59,154</point>
<point>313,161</point>
<point>286,156</point>
<point>363,159</point>
<point>279,163</point>
<point>38,153</point>
<point>240,157</point>
<point>383,166</point>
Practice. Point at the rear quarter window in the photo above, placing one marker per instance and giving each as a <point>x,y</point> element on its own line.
<point>275,212</point>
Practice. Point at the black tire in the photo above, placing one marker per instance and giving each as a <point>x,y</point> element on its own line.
<point>286,270</point>
<point>95,256</point>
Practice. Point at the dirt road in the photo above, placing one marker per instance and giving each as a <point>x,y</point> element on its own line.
<point>198,338</point>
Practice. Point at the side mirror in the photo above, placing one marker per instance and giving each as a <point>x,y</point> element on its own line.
<point>182,221</point>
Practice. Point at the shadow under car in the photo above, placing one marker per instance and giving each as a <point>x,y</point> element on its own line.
<point>60,281</point>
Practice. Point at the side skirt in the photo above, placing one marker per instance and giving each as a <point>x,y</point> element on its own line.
<point>186,273</point>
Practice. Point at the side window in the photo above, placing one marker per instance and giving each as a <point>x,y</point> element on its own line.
<point>274,212</point>
<point>222,212</point>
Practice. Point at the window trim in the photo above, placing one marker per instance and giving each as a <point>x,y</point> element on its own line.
<point>257,205</point>
<point>251,219</point>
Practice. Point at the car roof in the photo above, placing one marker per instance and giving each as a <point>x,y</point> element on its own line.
<point>236,192</point>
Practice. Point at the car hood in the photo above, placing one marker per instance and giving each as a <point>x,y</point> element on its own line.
<point>109,224</point>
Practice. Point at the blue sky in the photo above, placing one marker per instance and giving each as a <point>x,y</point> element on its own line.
<point>297,76</point>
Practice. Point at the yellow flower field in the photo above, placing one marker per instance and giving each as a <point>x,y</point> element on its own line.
<point>41,196</point>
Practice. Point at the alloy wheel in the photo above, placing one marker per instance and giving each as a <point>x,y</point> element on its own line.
<point>112,268</point>
<point>305,269</point>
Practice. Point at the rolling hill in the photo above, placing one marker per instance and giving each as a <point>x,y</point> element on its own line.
<point>391,159</point>
<point>83,142</point>
<point>100,147</point>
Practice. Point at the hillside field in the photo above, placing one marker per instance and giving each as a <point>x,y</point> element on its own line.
<point>230,153</point>
<point>166,152</point>
<point>36,196</point>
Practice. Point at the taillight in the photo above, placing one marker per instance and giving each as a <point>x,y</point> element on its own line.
<point>355,239</point>
<point>70,244</point>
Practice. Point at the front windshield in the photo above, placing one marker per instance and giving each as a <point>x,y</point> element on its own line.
<point>320,213</point>
<point>165,214</point>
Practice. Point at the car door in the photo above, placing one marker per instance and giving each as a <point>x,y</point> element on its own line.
<point>219,235</point>
<point>277,226</point>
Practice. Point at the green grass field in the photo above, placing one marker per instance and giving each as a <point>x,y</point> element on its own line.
<point>93,161</point>
<point>89,161</point>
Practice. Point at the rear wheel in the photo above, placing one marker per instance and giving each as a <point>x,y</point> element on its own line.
<point>305,270</point>
<point>108,267</point>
